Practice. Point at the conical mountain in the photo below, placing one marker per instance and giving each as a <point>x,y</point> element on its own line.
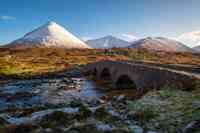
<point>50,35</point>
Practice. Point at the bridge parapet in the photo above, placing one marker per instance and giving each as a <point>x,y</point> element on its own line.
<point>143,76</point>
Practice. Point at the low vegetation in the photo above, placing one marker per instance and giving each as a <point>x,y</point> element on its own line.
<point>167,110</point>
<point>38,61</point>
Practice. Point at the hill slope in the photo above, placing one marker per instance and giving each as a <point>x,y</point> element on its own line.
<point>161,44</point>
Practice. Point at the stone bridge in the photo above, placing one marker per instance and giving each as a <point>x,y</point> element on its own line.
<point>141,76</point>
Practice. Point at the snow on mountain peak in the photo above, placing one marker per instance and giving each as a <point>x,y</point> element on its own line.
<point>51,34</point>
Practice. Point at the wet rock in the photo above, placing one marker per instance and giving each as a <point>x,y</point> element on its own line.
<point>105,127</point>
<point>67,81</point>
<point>102,101</point>
<point>136,129</point>
<point>151,132</point>
<point>192,127</point>
<point>120,98</point>
<point>48,130</point>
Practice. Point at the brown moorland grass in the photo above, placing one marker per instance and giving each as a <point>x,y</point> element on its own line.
<point>36,61</point>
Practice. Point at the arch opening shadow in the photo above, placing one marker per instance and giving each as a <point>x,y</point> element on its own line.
<point>105,74</point>
<point>125,82</point>
<point>94,72</point>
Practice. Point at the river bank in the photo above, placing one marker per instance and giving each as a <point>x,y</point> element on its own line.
<point>72,103</point>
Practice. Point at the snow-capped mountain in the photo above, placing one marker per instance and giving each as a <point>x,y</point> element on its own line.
<point>197,48</point>
<point>49,35</point>
<point>161,44</point>
<point>107,42</point>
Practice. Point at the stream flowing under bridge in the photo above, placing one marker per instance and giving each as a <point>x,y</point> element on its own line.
<point>140,76</point>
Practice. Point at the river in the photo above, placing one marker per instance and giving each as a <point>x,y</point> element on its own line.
<point>44,94</point>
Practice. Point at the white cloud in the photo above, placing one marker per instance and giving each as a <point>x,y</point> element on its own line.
<point>7,18</point>
<point>86,38</point>
<point>129,37</point>
<point>191,39</point>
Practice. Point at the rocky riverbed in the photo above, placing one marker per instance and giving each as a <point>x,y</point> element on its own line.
<point>71,103</point>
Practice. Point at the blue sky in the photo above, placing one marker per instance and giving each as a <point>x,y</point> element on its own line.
<point>96,18</point>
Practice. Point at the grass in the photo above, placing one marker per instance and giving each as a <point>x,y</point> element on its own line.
<point>38,61</point>
<point>167,110</point>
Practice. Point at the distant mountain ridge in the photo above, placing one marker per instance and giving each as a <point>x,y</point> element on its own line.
<point>49,35</point>
<point>197,48</point>
<point>53,35</point>
<point>107,42</point>
<point>161,44</point>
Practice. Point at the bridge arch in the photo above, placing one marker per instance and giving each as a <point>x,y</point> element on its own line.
<point>105,74</point>
<point>125,82</point>
<point>95,72</point>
